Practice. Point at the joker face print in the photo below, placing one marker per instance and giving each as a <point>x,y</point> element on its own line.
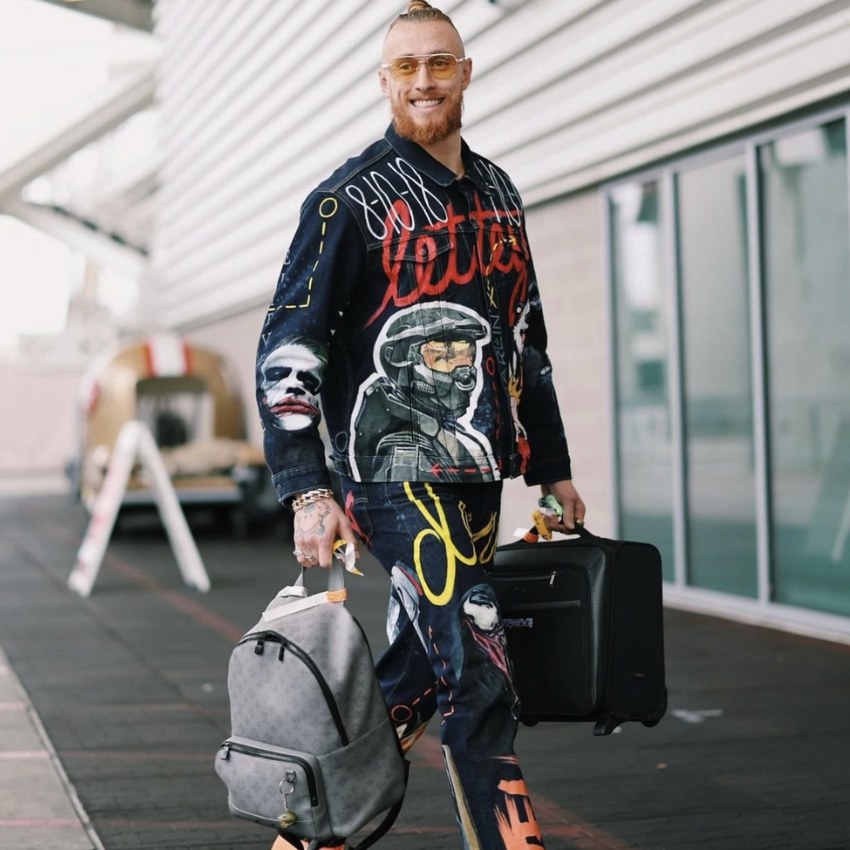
<point>292,377</point>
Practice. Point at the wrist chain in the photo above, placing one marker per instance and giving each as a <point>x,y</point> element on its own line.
<point>311,496</point>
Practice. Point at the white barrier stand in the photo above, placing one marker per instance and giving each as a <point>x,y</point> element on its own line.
<point>135,442</point>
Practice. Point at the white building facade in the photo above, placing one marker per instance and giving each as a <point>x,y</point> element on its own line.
<point>684,166</point>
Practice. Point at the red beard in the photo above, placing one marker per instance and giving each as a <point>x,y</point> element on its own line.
<point>434,131</point>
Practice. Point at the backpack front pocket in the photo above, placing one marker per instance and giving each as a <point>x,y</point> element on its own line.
<point>274,786</point>
<point>367,776</point>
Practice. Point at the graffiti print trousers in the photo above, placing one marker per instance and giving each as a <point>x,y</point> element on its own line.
<point>446,651</point>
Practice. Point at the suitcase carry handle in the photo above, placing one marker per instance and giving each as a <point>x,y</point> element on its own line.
<point>549,506</point>
<point>578,529</point>
<point>535,532</point>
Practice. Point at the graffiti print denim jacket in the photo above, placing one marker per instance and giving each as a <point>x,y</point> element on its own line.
<point>408,305</point>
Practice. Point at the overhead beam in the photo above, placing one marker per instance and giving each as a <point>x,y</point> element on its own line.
<point>137,14</point>
<point>136,183</point>
<point>101,247</point>
<point>112,106</point>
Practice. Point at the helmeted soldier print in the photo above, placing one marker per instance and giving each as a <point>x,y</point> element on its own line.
<point>415,414</point>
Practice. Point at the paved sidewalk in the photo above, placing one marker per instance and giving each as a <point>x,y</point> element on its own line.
<point>130,686</point>
<point>38,807</point>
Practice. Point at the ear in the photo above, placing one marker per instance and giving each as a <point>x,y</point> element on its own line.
<point>467,74</point>
<point>382,80</point>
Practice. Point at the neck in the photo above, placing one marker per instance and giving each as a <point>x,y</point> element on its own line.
<point>448,152</point>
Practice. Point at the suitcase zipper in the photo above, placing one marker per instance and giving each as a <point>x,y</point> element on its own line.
<point>227,746</point>
<point>561,603</point>
<point>274,637</point>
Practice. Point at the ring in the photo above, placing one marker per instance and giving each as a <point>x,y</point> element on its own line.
<point>297,552</point>
<point>311,558</point>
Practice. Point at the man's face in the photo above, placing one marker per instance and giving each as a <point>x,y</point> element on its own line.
<point>448,365</point>
<point>454,359</point>
<point>446,355</point>
<point>425,109</point>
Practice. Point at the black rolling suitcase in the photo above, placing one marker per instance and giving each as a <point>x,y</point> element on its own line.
<point>584,623</point>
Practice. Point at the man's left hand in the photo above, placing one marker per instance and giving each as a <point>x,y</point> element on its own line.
<point>569,499</point>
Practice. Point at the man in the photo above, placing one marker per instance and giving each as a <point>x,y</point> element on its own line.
<point>411,282</point>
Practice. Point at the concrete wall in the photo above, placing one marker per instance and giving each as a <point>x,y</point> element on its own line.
<point>567,243</point>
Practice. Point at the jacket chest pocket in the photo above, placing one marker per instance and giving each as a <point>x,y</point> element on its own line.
<point>420,264</point>
<point>506,272</point>
<point>505,252</point>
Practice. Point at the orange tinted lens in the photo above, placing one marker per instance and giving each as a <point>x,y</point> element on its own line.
<point>442,65</point>
<point>404,68</point>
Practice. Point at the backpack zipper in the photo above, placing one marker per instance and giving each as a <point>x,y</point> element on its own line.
<point>227,746</point>
<point>296,650</point>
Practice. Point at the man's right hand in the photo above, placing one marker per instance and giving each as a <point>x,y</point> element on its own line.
<point>317,527</point>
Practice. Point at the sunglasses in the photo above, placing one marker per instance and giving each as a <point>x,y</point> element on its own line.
<point>442,66</point>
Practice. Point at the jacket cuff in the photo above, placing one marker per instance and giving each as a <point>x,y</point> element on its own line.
<point>547,471</point>
<point>290,482</point>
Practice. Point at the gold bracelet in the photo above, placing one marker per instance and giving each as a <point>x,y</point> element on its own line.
<point>311,496</point>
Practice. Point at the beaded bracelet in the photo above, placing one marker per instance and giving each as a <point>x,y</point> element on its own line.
<point>311,496</point>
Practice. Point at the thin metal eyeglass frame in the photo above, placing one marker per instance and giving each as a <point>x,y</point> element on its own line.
<point>387,66</point>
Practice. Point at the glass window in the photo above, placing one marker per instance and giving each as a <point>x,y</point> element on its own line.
<point>643,414</point>
<point>807,302</point>
<point>719,453</point>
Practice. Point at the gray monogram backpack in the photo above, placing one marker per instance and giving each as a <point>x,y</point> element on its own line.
<point>313,753</point>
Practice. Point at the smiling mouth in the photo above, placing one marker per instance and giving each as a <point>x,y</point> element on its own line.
<point>427,104</point>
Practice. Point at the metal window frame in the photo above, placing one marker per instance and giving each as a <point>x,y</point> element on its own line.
<point>676,384</point>
<point>763,610</point>
<point>758,361</point>
<point>610,295</point>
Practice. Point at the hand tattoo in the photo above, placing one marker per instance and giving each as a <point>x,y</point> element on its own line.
<point>311,518</point>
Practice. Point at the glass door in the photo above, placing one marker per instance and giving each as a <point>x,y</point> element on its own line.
<point>637,225</point>
<point>807,301</point>
<point>717,378</point>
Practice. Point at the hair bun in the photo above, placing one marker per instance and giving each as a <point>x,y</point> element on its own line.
<point>421,11</point>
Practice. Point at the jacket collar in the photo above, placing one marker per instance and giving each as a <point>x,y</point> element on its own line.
<point>420,159</point>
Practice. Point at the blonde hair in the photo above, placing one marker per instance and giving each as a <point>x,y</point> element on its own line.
<point>419,11</point>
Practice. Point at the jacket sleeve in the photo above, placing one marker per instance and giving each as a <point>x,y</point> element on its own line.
<point>539,412</point>
<point>318,276</point>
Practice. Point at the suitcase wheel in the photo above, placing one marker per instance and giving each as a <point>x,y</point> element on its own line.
<point>606,725</point>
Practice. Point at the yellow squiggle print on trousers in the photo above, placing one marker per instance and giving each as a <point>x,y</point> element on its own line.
<point>439,528</point>
<point>486,540</point>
